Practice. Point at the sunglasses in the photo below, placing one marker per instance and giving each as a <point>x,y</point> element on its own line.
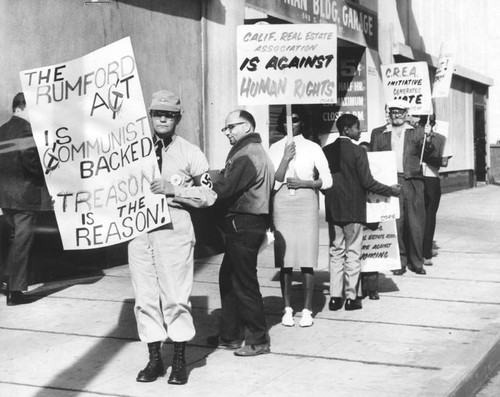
<point>164,113</point>
<point>231,126</point>
<point>397,112</point>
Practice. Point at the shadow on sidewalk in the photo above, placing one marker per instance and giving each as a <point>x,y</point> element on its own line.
<point>82,372</point>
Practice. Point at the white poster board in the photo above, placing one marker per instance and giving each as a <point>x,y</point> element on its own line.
<point>90,125</point>
<point>287,64</point>
<point>380,250</point>
<point>408,81</point>
<point>383,168</point>
<point>444,73</point>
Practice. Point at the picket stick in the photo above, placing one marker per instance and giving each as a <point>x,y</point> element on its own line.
<point>289,134</point>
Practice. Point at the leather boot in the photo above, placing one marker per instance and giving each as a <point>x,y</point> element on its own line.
<point>179,375</point>
<point>155,367</point>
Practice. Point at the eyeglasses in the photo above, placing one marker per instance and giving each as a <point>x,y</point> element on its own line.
<point>164,113</point>
<point>231,126</point>
<point>397,112</point>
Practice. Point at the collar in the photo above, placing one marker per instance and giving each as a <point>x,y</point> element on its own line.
<point>166,141</point>
<point>251,137</point>
<point>390,128</point>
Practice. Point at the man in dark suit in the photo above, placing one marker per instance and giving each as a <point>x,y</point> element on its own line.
<point>22,194</point>
<point>406,141</point>
<point>345,205</point>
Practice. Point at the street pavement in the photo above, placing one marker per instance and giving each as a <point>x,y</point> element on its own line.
<point>433,335</point>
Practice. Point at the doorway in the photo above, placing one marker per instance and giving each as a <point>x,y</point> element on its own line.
<point>479,143</point>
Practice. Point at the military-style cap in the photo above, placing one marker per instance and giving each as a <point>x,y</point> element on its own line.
<point>165,100</point>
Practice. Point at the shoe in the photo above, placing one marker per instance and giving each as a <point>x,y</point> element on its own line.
<point>154,367</point>
<point>306,320</point>
<point>419,270</point>
<point>217,341</point>
<point>373,295</point>
<point>15,298</point>
<point>335,303</point>
<point>287,319</point>
<point>178,376</point>
<point>428,262</point>
<point>399,272</point>
<point>253,350</point>
<point>353,304</point>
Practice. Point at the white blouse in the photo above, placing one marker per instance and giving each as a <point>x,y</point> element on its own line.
<point>308,157</point>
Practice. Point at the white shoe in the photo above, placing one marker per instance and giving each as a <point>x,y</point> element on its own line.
<point>306,320</point>
<point>287,319</point>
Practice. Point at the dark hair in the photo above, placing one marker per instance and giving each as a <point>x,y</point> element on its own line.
<point>18,102</point>
<point>299,110</point>
<point>347,120</point>
<point>247,116</point>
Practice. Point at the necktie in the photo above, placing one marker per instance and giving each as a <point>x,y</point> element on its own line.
<point>158,150</point>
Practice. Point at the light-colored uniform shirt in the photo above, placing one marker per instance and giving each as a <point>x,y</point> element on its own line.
<point>309,159</point>
<point>186,167</point>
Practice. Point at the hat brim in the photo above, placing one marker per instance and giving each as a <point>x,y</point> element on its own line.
<point>162,106</point>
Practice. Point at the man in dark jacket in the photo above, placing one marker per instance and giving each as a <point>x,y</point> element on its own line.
<point>22,195</point>
<point>345,205</point>
<point>406,141</point>
<point>243,189</point>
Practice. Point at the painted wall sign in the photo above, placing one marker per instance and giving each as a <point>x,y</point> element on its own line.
<point>92,132</point>
<point>354,23</point>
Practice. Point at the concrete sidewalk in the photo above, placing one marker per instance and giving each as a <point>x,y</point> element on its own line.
<point>434,335</point>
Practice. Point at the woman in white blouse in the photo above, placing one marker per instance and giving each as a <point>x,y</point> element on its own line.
<point>301,170</point>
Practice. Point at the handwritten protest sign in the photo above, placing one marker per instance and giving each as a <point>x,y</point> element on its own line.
<point>410,82</point>
<point>92,132</point>
<point>287,64</point>
<point>444,73</point>
<point>380,249</point>
<point>383,168</point>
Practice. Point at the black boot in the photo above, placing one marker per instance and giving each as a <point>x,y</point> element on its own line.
<point>155,367</point>
<point>179,375</point>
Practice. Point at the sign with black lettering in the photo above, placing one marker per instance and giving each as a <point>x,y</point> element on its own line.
<point>351,92</point>
<point>92,132</point>
<point>380,249</point>
<point>408,81</point>
<point>286,64</point>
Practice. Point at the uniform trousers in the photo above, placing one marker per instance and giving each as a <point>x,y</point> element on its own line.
<point>161,267</point>
<point>345,266</point>
<point>241,300</point>
<point>432,195</point>
<point>411,222</point>
<point>22,223</point>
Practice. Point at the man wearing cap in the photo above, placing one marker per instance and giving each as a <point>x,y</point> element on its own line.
<point>161,261</point>
<point>406,141</point>
<point>244,189</point>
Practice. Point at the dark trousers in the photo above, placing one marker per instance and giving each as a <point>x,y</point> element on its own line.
<point>411,222</point>
<point>241,300</point>
<point>22,225</point>
<point>432,196</point>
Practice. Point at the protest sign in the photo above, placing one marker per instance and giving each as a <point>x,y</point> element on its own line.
<point>287,64</point>
<point>410,82</point>
<point>92,132</point>
<point>444,73</point>
<point>380,249</point>
<point>383,168</point>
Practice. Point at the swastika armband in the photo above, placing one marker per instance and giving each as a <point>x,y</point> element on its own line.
<point>203,180</point>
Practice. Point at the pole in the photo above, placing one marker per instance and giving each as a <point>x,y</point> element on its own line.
<point>289,134</point>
